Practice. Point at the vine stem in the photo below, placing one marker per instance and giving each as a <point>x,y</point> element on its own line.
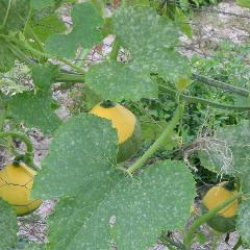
<point>193,99</point>
<point>188,237</point>
<point>38,53</point>
<point>222,85</point>
<point>165,134</point>
<point>24,138</point>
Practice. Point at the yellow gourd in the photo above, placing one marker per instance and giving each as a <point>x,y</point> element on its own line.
<point>224,221</point>
<point>126,124</point>
<point>15,187</point>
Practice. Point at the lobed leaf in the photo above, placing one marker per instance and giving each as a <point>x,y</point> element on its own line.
<point>130,214</point>
<point>83,152</point>
<point>44,75</point>
<point>116,81</point>
<point>34,110</point>
<point>86,32</point>
<point>150,39</point>
<point>43,25</point>
<point>229,150</point>
<point>34,246</point>
<point>8,225</point>
<point>41,4</point>
<point>243,221</point>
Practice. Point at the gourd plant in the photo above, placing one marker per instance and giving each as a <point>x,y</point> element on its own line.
<point>103,203</point>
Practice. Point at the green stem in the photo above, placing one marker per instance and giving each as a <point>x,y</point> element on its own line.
<point>161,139</point>
<point>188,237</point>
<point>7,13</point>
<point>115,50</point>
<point>29,30</point>
<point>38,53</point>
<point>24,138</point>
<point>71,78</point>
<point>222,85</point>
<point>238,244</point>
<point>82,56</point>
<point>169,242</point>
<point>42,54</point>
<point>192,99</point>
<point>73,66</point>
<point>33,34</point>
<point>19,54</point>
<point>2,118</point>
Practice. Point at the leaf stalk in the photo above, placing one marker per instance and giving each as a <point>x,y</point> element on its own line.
<point>159,142</point>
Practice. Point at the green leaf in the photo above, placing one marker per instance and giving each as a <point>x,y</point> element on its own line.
<point>44,75</point>
<point>132,213</point>
<point>7,58</point>
<point>150,40</point>
<point>228,151</point>
<point>41,4</point>
<point>116,81</point>
<point>76,211</point>
<point>182,21</point>
<point>44,26</point>
<point>34,246</point>
<point>84,151</point>
<point>8,225</point>
<point>244,3</point>
<point>155,53</point>
<point>86,32</point>
<point>243,221</point>
<point>34,110</point>
<point>17,16</point>
<point>142,30</point>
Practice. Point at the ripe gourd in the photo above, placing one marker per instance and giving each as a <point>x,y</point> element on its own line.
<point>126,124</point>
<point>15,187</point>
<point>224,221</point>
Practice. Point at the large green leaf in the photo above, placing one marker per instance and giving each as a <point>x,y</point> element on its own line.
<point>43,26</point>
<point>18,13</point>
<point>34,246</point>
<point>132,213</point>
<point>116,81</point>
<point>86,32</point>
<point>41,4</point>
<point>44,75</point>
<point>8,225</point>
<point>70,210</point>
<point>142,30</point>
<point>7,58</point>
<point>243,221</point>
<point>150,39</point>
<point>228,150</point>
<point>83,152</point>
<point>34,110</point>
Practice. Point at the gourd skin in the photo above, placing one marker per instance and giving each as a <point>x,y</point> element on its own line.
<point>225,220</point>
<point>126,124</point>
<point>15,187</point>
